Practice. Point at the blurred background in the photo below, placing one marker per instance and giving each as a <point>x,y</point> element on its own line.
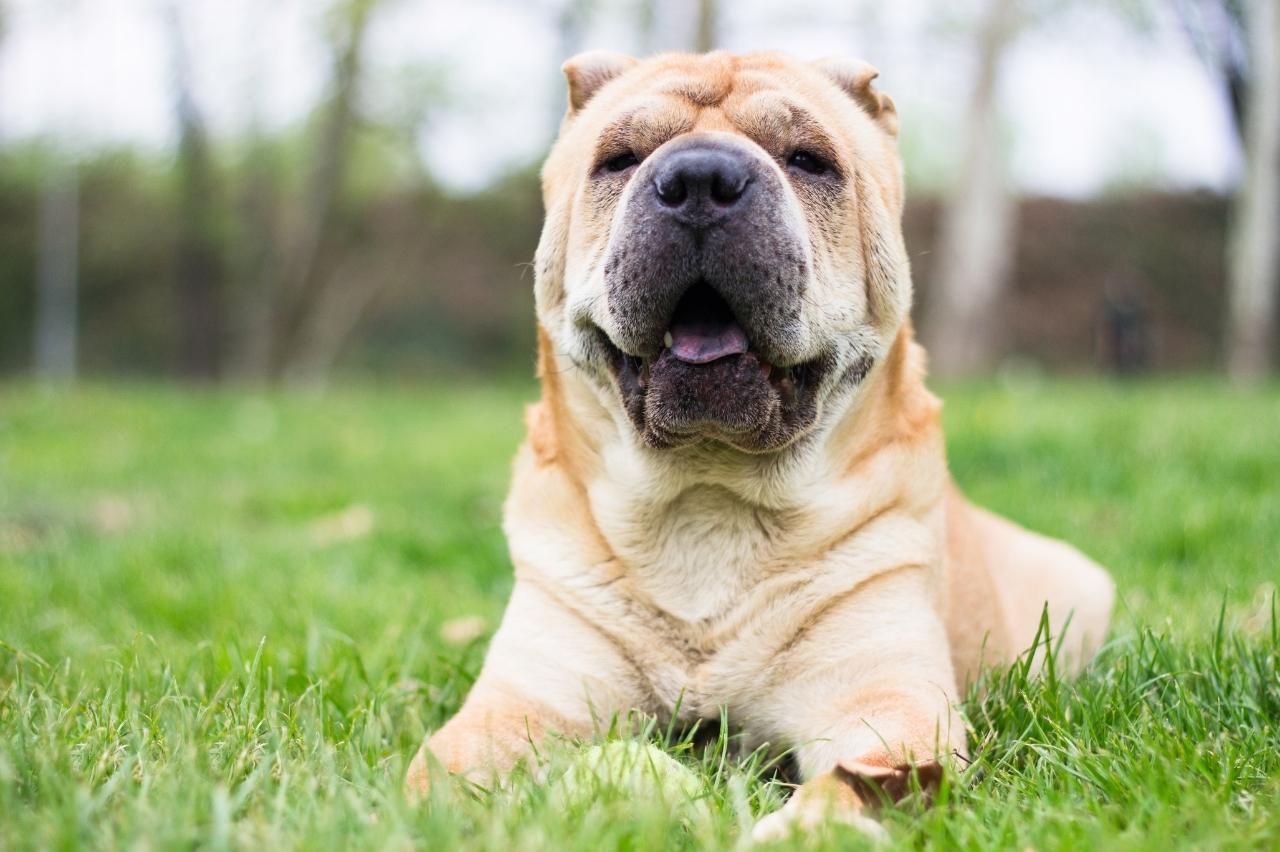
<point>298,191</point>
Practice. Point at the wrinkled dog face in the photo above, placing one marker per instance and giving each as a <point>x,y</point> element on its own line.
<point>722,254</point>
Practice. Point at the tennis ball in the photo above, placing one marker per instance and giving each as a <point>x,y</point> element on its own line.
<point>632,772</point>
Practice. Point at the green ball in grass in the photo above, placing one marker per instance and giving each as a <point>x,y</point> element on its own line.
<point>636,772</point>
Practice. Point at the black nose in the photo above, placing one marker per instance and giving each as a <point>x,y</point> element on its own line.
<point>700,184</point>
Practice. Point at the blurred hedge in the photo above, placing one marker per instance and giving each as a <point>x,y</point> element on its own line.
<point>1166,251</point>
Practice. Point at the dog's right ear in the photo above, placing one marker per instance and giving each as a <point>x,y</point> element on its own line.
<point>588,71</point>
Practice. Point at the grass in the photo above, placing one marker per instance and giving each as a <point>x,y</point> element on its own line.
<point>227,620</point>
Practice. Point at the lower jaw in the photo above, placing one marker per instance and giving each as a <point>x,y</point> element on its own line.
<point>739,401</point>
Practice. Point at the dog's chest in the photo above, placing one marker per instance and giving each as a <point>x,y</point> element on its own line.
<point>710,589</point>
<point>696,557</point>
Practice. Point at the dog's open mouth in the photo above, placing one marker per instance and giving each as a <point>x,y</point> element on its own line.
<point>703,329</point>
<point>705,341</point>
<point>709,381</point>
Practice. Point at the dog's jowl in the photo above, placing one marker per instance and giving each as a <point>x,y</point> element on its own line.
<point>733,492</point>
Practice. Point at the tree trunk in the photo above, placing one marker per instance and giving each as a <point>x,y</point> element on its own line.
<point>332,323</point>
<point>1254,245</point>
<point>201,266</point>
<point>1216,29</point>
<point>572,20</point>
<point>57,273</point>
<point>255,249</point>
<point>303,280</point>
<point>646,27</point>
<point>975,252</point>
<point>257,259</point>
<point>706,36</point>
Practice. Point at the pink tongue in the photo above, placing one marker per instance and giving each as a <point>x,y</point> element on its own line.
<point>702,343</point>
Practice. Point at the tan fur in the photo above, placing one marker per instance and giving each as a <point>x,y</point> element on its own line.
<point>834,596</point>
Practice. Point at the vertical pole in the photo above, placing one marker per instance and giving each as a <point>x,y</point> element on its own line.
<point>58,238</point>
<point>1254,248</point>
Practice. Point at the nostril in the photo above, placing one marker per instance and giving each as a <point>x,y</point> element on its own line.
<point>671,189</point>
<point>727,188</point>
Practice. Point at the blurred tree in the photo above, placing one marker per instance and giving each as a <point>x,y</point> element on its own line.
<point>255,253</point>
<point>1240,41</point>
<point>310,319</point>
<point>1216,29</point>
<point>678,25</point>
<point>56,328</point>
<point>975,255</point>
<point>1254,264</point>
<point>572,19</point>
<point>57,272</point>
<point>646,18</point>
<point>201,266</point>
<point>706,36</point>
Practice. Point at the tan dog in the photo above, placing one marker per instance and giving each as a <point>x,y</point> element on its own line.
<point>734,492</point>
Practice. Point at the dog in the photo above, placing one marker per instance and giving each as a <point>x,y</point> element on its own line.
<point>734,492</point>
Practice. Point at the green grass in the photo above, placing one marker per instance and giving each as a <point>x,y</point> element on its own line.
<point>221,625</point>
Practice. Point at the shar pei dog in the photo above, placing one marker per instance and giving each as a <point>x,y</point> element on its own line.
<point>733,494</point>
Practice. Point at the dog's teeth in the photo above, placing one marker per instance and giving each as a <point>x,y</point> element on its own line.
<point>666,340</point>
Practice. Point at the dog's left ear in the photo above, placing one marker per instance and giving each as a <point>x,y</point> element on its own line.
<point>855,76</point>
<point>588,71</point>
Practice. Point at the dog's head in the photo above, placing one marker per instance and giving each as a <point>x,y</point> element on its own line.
<point>722,255</point>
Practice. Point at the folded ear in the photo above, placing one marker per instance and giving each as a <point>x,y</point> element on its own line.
<point>588,71</point>
<point>855,76</point>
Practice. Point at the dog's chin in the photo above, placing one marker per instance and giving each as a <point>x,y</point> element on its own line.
<point>741,400</point>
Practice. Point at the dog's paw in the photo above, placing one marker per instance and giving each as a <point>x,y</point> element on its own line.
<point>807,817</point>
<point>417,781</point>
<point>824,801</point>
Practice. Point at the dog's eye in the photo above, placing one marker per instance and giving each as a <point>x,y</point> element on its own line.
<point>809,162</point>
<point>621,162</point>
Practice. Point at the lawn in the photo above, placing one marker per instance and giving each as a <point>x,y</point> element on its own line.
<point>227,619</point>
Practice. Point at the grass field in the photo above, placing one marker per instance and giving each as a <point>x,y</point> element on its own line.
<point>227,620</point>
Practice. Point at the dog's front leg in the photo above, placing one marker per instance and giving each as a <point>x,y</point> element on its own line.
<point>547,671</point>
<point>863,695</point>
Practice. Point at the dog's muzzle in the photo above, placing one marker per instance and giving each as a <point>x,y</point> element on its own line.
<point>705,277</point>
